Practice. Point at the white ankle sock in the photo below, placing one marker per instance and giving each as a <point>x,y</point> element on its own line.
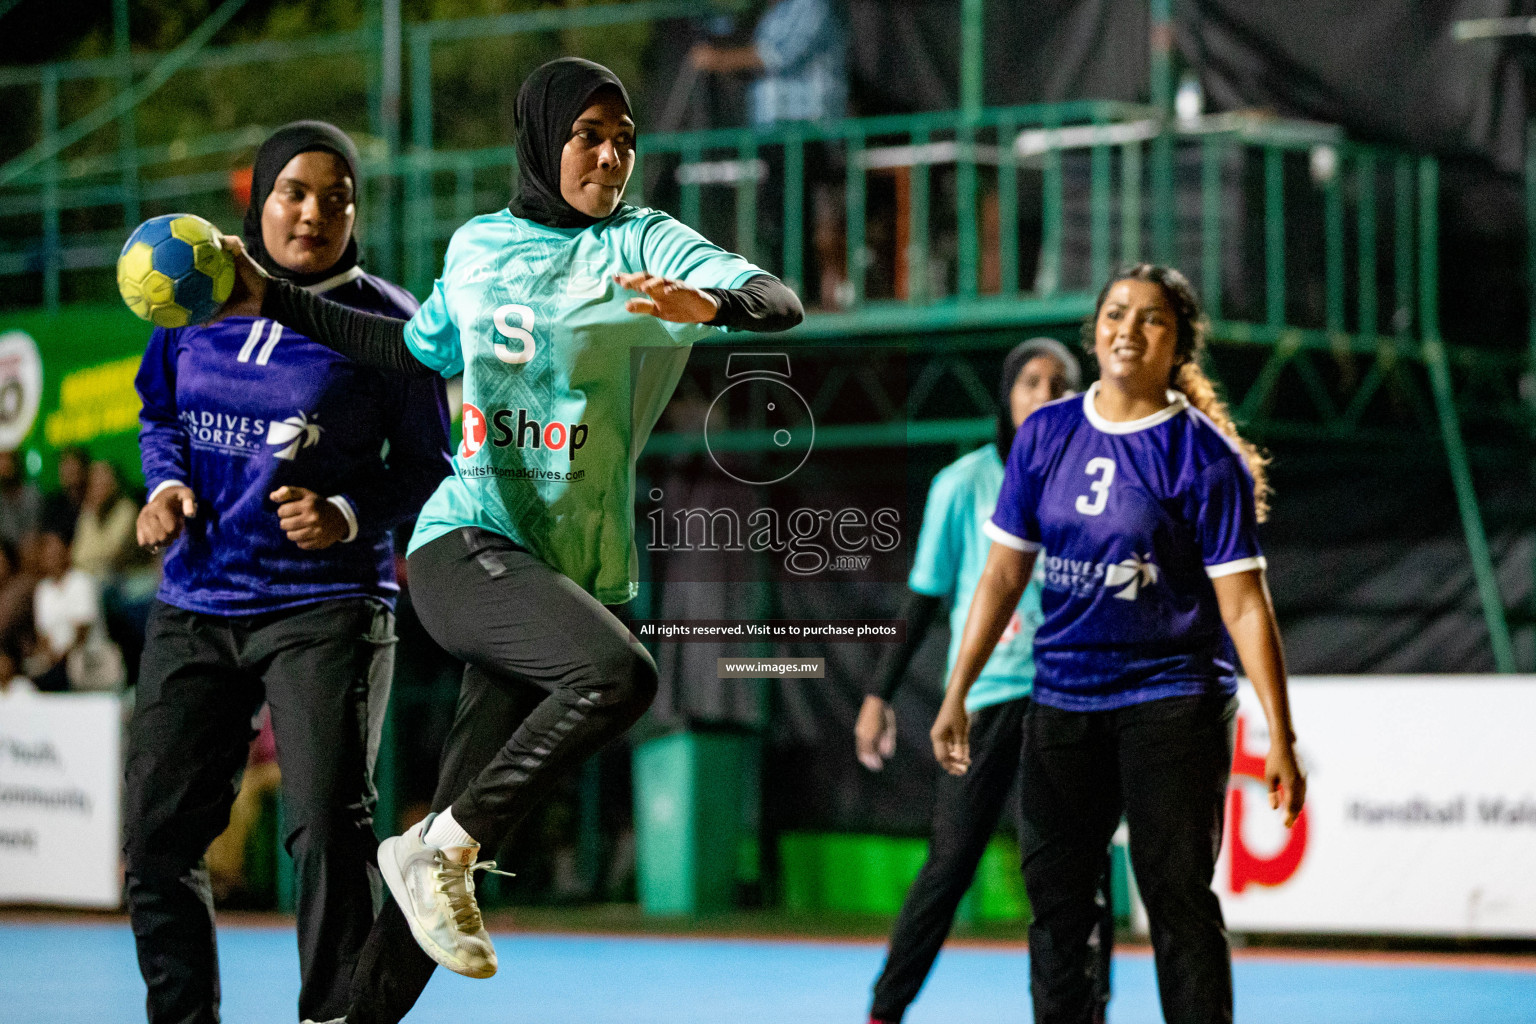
<point>446,832</point>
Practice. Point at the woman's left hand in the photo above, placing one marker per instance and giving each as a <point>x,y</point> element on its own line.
<point>666,299</point>
<point>1286,781</point>
<point>951,736</point>
<point>310,521</point>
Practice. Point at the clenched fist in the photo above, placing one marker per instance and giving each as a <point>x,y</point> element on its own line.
<point>310,521</point>
<point>161,518</point>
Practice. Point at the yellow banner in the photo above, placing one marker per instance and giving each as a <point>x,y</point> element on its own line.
<point>95,402</point>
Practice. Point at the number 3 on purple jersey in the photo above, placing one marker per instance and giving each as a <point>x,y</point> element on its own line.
<point>1104,469</point>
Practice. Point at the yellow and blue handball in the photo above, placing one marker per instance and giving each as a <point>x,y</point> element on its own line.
<point>173,272</point>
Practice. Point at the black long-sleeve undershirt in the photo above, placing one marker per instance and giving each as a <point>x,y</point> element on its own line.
<point>919,610</point>
<point>365,338</point>
<point>761,304</point>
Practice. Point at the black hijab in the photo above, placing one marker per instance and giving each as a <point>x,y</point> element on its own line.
<point>1013,365</point>
<point>547,106</point>
<point>282,146</point>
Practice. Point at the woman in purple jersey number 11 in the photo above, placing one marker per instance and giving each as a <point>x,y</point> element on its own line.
<point>273,500</point>
<point>1145,502</point>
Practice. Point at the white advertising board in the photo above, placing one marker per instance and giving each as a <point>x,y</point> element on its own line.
<point>60,786</point>
<point>1420,816</point>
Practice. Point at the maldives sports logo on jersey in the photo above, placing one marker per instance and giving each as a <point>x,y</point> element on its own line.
<point>291,434</point>
<point>233,434</point>
<point>226,432</point>
<point>514,428</point>
<point>1127,578</point>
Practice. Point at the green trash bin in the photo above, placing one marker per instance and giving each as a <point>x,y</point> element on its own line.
<point>688,820</point>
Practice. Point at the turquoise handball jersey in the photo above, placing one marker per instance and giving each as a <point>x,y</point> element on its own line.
<point>561,385</point>
<point>952,551</point>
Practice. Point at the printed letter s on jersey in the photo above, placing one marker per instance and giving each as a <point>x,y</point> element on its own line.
<point>522,333</point>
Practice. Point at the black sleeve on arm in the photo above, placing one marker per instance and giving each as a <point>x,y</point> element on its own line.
<point>365,338</point>
<point>919,610</point>
<point>763,304</point>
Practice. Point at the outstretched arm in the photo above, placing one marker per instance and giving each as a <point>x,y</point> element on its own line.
<point>763,303</point>
<point>365,338</point>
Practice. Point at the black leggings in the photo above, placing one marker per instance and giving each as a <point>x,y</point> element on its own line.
<point>965,815</point>
<point>324,669</point>
<point>1164,765</point>
<point>550,676</point>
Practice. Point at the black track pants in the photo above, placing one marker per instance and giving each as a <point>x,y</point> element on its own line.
<point>1164,765</point>
<point>551,676</point>
<point>325,671</point>
<point>965,816</point>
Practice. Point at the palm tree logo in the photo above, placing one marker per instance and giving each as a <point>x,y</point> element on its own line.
<point>1131,575</point>
<point>293,433</point>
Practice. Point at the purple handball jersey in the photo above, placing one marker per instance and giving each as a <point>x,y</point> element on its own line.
<point>236,409</point>
<point>1135,519</point>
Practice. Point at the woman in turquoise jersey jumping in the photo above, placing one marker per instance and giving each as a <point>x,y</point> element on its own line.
<point>514,557</point>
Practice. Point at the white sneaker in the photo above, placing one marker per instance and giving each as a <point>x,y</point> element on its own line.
<point>436,890</point>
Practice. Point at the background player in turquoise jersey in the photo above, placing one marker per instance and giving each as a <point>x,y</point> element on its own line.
<point>1143,502</point>
<point>951,552</point>
<point>516,553</point>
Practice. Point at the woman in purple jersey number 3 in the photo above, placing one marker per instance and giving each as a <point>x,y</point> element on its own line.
<point>1144,502</point>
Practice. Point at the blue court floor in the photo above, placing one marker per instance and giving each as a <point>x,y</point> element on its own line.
<point>85,973</point>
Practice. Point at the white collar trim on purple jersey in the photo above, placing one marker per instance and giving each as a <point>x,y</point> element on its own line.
<point>1177,403</point>
<point>351,274</point>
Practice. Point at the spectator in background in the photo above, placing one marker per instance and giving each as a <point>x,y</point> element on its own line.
<point>72,650</point>
<point>21,504</point>
<point>226,854</point>
<point>104,532</point>
<point>62,507</point>
<point>105,546</point>
<point>799,52</point>
<point>16,587</point>
<point>12,681</point>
